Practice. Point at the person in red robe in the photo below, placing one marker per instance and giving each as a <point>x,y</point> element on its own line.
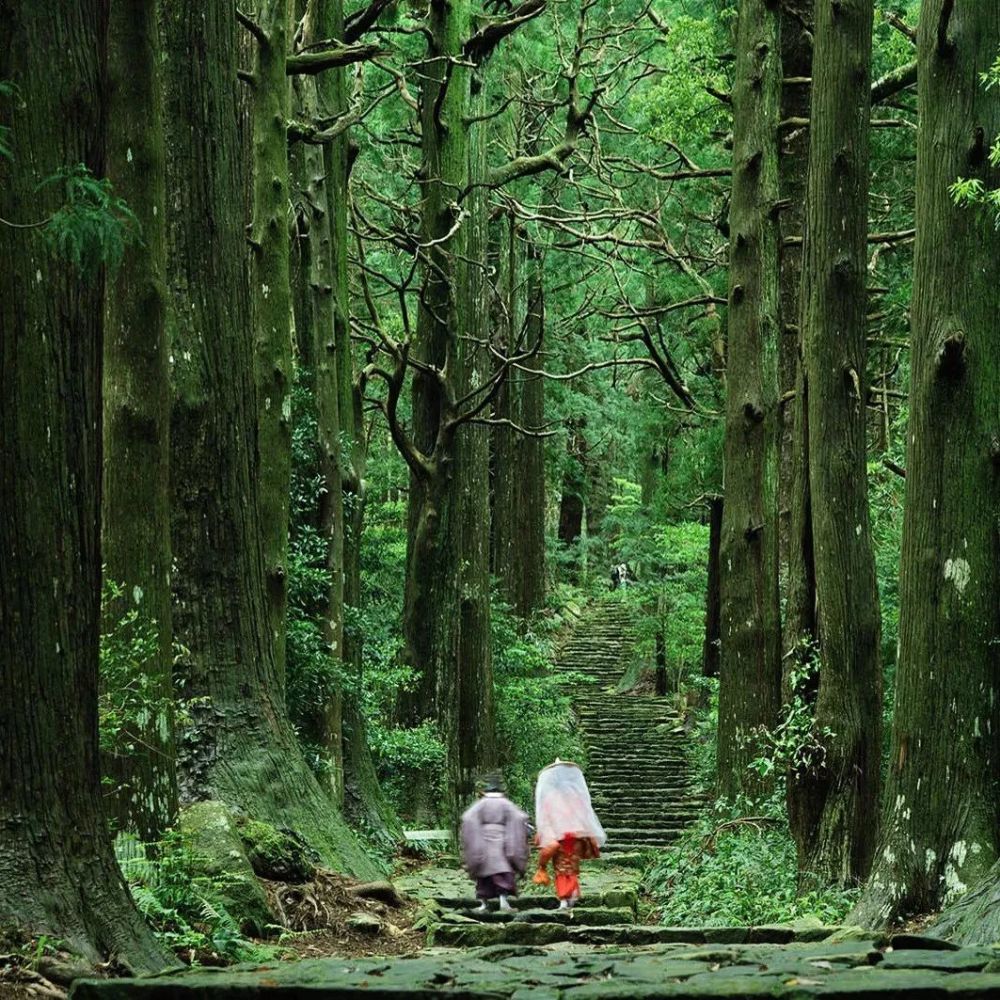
<point>568,828</point>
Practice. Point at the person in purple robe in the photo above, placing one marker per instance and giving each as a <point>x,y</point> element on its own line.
<point>494,845</point>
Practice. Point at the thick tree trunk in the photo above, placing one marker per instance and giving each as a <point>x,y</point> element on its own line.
<point>973,920</point>
<point>838,797</point>
<point>240,746</point>
<point>941,816</point>
<point>750,665</point>
<point>273,307</point>
<point>57,871</point>
<point>711,648</point>
<point>136,509</point>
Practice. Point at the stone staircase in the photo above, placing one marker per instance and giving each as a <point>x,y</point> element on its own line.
<point>637,769</point>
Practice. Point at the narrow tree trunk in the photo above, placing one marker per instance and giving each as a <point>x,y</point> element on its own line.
<point>57,871</point>
<point>363,796</point>
<point>272,292</point>
<point>477,731</point>
<point>240,746</point>
<point>839,796</point>
<point>319,25</point>
<point>793,169</point>
<point>711,648</point>
<point>446,604</point>
<point>941,816</point>
<point>750,665</point>
<point>531,450</point>
<point>136,510</point>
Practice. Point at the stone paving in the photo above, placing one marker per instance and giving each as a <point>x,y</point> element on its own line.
<point>605,948</point>
<point>825,969</point>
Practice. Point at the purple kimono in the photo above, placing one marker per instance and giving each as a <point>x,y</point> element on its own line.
<point>495,845</point>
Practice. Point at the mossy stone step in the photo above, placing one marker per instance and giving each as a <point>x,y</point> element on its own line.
<point>579,916</point>
<point>608,898</point>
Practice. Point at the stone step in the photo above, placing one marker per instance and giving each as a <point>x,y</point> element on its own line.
<point>601,916</point>
<point>630,935</point>
<point>609,899</point>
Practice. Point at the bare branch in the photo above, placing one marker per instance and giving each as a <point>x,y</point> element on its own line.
<point>310,63</point>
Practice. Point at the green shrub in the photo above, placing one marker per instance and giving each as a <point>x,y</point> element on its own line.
<point>738,867</point>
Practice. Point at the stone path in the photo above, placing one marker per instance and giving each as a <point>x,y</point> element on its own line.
<point>826,970</point>
<point>603,949</point>
<point>637,770</point>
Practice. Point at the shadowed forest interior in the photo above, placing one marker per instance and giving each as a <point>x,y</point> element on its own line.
<point>398,397</point>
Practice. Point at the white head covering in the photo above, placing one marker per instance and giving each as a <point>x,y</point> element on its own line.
<point>562,805</point>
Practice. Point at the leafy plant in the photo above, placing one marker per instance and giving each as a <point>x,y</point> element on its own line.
<point>795,743</point>
<point>737,866</point>
<point>184,905</point>
<point>131,697</point>
<point>93,226</point>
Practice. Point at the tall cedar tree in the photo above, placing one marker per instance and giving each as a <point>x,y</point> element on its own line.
<point>135,511</point>
<point>317,371</point>
<point>835,799</point>
<point>240,746</point>
<point>58,874</point>
<point>328,363</point>
<point>750,669</point>
<point>941,807</point>
<point>446,605</point>
<point>270,108</point>
<point>518,454</point>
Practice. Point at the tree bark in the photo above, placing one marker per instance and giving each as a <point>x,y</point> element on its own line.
<point>270,109</point>
<point>319,187</point>
<point>240,746</point>
<point>446,603</point>
<point>58,874</point>
<point>519,459</point>
<point>793,169</point>
<point>750,664</point>
<point>711,650</point>
<point>136,508</point>
<point>838,797</point>
<point>941,808</point>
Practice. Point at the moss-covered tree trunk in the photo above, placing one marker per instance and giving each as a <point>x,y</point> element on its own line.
<point>711,652</point>
<point>530,594</point>
<point>518,458</point>
<point>239,746</point>
<point>446,605</point>
<point>837,797</point>
<point>321,293</point>
<point>272,292</point>
<point>941,808</point>
<point>57,870</point>
<point>135,511</point>
<point>476,736</point>
<point>793,168</point>
<point>750,664</point>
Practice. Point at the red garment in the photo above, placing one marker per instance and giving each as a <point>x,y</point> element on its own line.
<point>565,856</point>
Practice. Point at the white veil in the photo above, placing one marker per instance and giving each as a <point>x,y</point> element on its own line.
<point>562,805</point>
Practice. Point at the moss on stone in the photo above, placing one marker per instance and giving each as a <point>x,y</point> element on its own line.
<point>216,849</point>
<point>276,854</point>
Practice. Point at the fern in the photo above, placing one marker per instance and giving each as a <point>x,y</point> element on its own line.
<point>93,227</point>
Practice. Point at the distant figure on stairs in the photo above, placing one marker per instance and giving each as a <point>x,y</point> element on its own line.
<point>621,576</point>
<point>494,844</point>
<point>568,828</point>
